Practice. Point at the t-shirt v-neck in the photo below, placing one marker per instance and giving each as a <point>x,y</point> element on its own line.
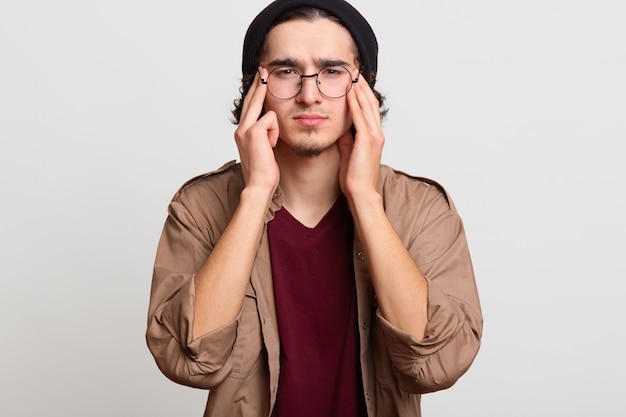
<point>338,209</point>
<point>315,296</point>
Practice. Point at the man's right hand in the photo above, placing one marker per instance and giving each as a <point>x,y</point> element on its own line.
<point>256,137</point>
<point>221,283</point>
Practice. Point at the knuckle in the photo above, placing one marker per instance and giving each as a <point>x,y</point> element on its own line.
<point>242,133</point>
<point>239,133</point>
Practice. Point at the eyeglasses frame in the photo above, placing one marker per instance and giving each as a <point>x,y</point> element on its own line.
<point>302,76</point>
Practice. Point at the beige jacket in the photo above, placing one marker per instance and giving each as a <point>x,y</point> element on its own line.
<point>239,363</point>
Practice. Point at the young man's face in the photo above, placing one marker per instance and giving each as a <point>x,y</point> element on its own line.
<point>310,122</point>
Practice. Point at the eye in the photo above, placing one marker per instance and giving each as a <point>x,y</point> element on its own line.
<point>333,72</point>
<point>286,72</point>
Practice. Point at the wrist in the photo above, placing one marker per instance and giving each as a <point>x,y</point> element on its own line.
<point>366,204</point>
<point>257,196</point>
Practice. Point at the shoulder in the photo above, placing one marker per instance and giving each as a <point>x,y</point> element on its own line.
<point>218,181</point>
<point>413,203</point>
<point>214,193</point>
<point>396,185</point>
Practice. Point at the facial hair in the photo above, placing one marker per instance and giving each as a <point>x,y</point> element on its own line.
<point>312,149</point>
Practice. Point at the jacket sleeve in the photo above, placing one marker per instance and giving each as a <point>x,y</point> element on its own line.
<point>183,249</point>
<point>453,334</point>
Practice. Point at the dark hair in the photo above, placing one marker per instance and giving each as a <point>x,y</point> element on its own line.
<point>309,14</point>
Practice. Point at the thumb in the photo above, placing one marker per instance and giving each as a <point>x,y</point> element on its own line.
<point>272,128</point>
<point>268,124</point>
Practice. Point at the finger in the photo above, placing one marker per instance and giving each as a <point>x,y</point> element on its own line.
<point>253,102</point>
<point>355,109</point>
<point>366,93</point>
<point>345,145</point>
<point>246,99</point>
<point>269,123</point>
<point>358,111</point>
<point>368,103</point>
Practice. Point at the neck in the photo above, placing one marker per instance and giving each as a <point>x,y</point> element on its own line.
<point>310,184</point>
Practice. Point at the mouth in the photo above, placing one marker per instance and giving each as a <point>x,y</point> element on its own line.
<point>309,120</point>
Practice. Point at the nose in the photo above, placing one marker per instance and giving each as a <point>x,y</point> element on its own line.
<point>309,93</point>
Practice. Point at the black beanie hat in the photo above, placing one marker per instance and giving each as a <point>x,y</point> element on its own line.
<point>356,24</point>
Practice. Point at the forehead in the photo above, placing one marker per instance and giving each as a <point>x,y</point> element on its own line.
<point>309,41</point>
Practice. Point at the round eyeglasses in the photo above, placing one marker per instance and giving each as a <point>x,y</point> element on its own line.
<point>286,82</point>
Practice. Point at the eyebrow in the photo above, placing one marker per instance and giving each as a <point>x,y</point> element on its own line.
<point>321,62</point>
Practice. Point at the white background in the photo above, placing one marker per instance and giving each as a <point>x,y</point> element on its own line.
<point>517,107</point>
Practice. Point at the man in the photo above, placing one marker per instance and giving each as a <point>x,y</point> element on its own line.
<point>310,280</point>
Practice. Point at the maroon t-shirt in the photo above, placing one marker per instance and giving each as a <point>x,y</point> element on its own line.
<point>316,306</point>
